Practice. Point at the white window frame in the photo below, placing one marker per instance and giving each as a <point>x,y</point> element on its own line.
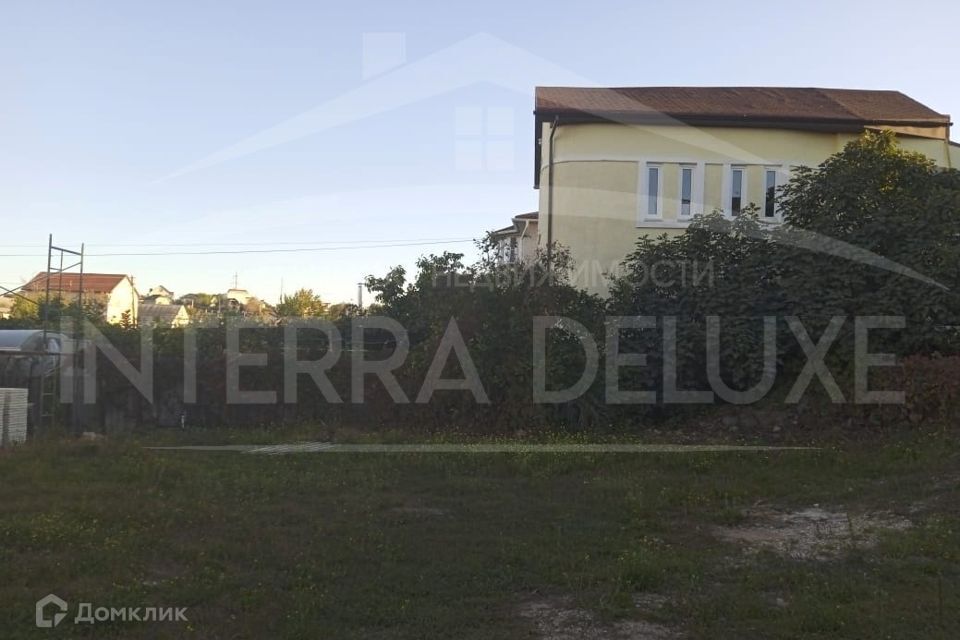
<point>742,168</point>
<point>693,168</point>
<point>645,214</point>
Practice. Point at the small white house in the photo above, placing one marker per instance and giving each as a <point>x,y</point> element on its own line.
<point>159,295</point>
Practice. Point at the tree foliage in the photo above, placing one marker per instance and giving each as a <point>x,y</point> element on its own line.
<point>32,308</point>
<point>872,231</point>
<point>303,303</point>
<point>895,204</point>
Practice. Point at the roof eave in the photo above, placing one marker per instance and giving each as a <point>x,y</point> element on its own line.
<point>633,117</point>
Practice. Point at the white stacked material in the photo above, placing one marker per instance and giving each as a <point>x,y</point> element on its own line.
<point>13,416</point>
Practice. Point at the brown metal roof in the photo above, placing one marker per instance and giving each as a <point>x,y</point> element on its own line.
<point>733,103</point>
<point>92,282</point>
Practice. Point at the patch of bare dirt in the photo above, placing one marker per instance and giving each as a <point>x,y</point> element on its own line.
<point>810,534</point>
<point>558,619</point>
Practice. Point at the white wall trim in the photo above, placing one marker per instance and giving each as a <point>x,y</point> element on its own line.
<point>641,189</point>
<point>664,224</point>
<point>725,190</point>
<point>699,188</point>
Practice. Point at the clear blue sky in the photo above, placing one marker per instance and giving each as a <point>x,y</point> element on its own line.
<point>112,113</point>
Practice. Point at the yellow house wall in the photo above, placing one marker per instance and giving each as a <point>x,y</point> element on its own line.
<point>716,144</point>
<point>713,187</point>
<point>598,175</point>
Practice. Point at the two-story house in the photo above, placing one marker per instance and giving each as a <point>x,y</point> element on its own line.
<point>158,295</point>
<point>614,164</point>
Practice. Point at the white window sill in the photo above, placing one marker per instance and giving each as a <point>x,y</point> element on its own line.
<point>683,223</point>
<point>660,223</point>
<point>760,219</point>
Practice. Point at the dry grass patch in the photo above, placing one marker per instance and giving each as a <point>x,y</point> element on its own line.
<point>810,534</point>
<point>559,619</point>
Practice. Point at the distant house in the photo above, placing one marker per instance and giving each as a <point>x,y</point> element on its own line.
<point>159,295</point>
<point>160,290</point>
<point>517,244</point>
<point>238,296</point>
<point>239,301</point>
<point>163,315</point>
<point>115,291</point>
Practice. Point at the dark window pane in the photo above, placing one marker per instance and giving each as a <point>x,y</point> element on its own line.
<point>686,190</point>
<point>736,201</point>
<point>653,180</point>
<point>769,208</point>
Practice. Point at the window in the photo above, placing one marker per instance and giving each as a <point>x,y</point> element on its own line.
<point>507,250</point>
<point>686,191</point>
<point>770,194</point>
<point>653,191</point>
<point>736,191</point>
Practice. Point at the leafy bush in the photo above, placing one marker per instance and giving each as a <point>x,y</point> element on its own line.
<point>870,232</point>
<point>898,205</point>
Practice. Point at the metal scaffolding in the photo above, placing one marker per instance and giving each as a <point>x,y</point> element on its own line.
<point>49,381</point>
<point>60,262</point>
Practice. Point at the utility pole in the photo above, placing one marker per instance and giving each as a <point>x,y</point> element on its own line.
<point>360,296</point>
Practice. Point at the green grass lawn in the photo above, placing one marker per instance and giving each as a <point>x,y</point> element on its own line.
<point>462,545</point>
